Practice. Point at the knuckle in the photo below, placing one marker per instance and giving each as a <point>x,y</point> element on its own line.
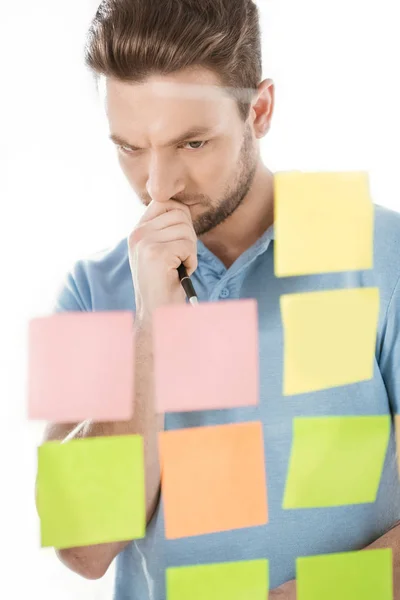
<point>136,236</point>
<point>182,209</point>
<point>181,215</point>
<point>149,250</point>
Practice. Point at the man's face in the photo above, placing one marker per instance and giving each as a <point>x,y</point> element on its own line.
<point>211,171</point>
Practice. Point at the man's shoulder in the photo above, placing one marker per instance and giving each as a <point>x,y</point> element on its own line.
<point>99,281</point>
<point>108,260</point>
<point>386,266</point>
<point>387,226</point>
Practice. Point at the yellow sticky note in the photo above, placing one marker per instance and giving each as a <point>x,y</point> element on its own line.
<point>219,581</point>
<point>91,491</point>
<point>361,575</point>
<point>329,338</point>
<point>336,461</point>
<point>324,223</point>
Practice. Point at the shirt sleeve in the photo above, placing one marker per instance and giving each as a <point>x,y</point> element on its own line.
<point>389,362</point>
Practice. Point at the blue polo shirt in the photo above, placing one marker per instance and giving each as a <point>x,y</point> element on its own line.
<point>103,282</point>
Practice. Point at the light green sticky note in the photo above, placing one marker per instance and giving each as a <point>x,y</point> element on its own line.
<point>219,581</point>
<point>324,223</point>
<point>362,575</point>
<point>329,338</point>
<point>91,491</point>
<point>336,460</point>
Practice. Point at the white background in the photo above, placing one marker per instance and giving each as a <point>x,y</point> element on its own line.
<point>62,196</point>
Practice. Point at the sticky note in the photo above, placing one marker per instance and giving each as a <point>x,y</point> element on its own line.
<point>206,357</point>
<point>329,338</point>
<point>361,575</point>
<point>397,430</point>
<point>219,581</point>
<point>336,461</point>
<point>213,479</point>
<point>81,366</point>
<point>91,491</point>
<point>324,222</point>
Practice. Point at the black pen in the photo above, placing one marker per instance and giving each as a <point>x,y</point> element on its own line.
<point>187,285</point>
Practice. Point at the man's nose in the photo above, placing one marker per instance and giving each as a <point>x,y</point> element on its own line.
<point>164,179</point>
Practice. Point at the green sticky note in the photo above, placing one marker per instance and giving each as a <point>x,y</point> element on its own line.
<point>362,575</point>
<point>336,460</point>
<point>329,338</point>
<point>91,491</point>
<point>220,581</point>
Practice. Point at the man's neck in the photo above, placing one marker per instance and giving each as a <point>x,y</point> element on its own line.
<point>255,215</point>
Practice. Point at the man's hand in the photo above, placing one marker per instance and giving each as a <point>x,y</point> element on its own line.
<point>287,591</point>
<point>162,240</point>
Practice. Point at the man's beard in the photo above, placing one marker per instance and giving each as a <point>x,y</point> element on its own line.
<point>234,196</point>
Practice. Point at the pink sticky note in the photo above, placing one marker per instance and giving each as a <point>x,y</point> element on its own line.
<point>206,356</point>
<point>81,366</point>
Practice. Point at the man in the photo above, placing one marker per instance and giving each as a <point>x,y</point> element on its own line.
<point>176,76</point>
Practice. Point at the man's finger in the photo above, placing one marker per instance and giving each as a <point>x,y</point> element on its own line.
<point>155,209</point>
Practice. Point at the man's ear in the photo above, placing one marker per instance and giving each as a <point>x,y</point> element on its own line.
<point>263,108</point>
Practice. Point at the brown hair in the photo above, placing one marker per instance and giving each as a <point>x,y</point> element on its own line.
<point>131,40</point>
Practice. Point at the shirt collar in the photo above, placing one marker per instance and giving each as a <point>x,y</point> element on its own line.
<point>261,244</point>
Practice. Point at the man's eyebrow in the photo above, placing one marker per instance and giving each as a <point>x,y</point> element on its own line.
<point>190,134</point>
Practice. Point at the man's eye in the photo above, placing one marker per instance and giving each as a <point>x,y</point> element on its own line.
<point>194,143</point>
<point>130,151</point>
<point>126,150</point>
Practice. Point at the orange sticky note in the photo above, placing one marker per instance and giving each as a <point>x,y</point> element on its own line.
<point>81,366</point>
<point>206,357</point>
<point>213,479</point>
